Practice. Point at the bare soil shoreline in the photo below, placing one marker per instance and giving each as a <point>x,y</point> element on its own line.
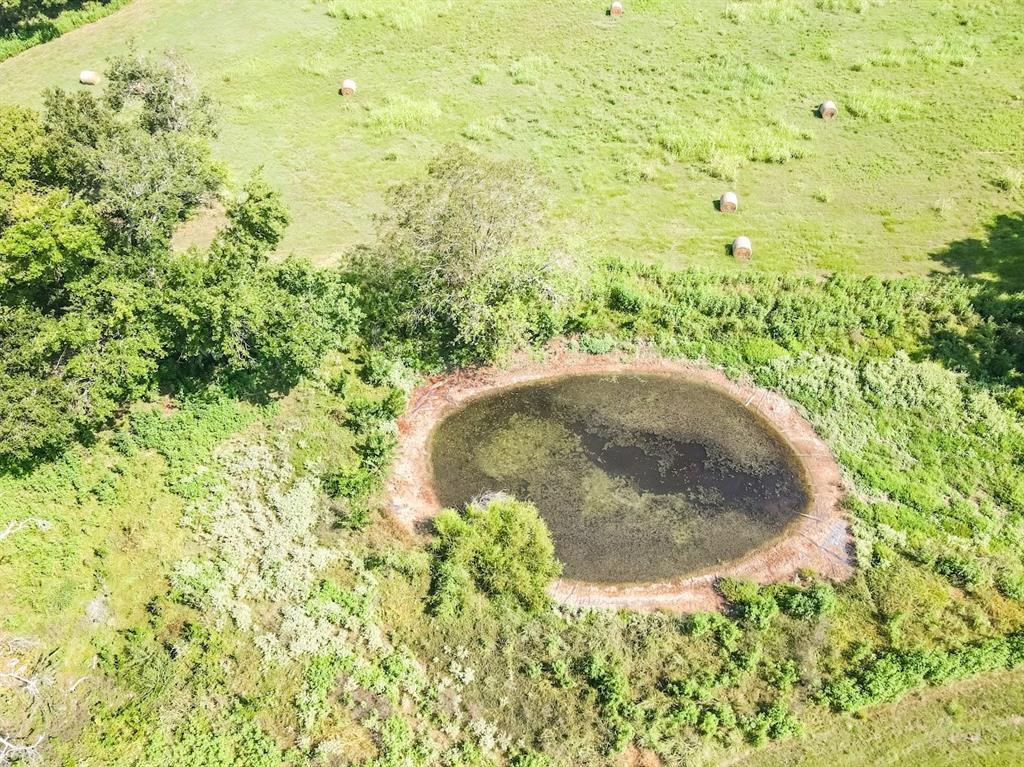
<point>817,540</point>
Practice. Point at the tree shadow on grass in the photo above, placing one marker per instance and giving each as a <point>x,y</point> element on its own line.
<point>993,348</point>
<point>996,260</point>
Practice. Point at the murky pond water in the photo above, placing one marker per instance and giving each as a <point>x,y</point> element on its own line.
<point>639,477</point>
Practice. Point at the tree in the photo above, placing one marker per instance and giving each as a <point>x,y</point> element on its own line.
<point>453,267</point>
<point>466,215</point>
<point>51,241</point>
<point>167,91</point>
<point>144,169</point>
<point>95,309</point>
<point>146,184</point>
<point>14,13</point>
<point>21,137</point>
<point>266,323</point>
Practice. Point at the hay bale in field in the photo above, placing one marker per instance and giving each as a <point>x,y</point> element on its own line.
<point>88,77</point>
<point>348,88</point>
<point>617,9</point>
<point>742,249</point>
<point>828,110</point>
<point>729,202</point>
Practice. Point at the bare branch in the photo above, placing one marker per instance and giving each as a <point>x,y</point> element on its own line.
<point>11,750</point>
<point>17,526</point>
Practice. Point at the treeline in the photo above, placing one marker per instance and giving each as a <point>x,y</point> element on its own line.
<point>460,276</point>
<point>95,309</point>
<point>14,13</point>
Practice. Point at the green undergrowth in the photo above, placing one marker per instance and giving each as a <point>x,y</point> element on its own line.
<point>310,631</point>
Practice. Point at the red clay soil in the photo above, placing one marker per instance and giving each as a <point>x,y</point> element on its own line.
<point>817,540</point>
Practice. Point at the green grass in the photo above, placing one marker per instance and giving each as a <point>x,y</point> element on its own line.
<point>637,126</point>
<point>973,724</point>
<point>254,617</point>
<point>111,518</point>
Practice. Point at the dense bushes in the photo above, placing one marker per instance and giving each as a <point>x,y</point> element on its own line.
<point>15,12</point>
<point>371,418</point>
<point>758,605</point>
<point>29,31</point>
<point>886,676</point>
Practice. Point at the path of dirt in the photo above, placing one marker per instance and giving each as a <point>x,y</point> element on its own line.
<point>817,540</point>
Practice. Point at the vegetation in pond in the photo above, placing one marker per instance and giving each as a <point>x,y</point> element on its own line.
<point>639,477</point>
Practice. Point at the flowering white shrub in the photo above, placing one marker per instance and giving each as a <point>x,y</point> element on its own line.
<point>265,574</point>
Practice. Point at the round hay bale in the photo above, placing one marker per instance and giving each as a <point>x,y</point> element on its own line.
<point>348,88</point>
<point>828,110</point>
<point>617,9</point>
<point>729,202</point>
<point>88,77</point>
<point>742,249</point>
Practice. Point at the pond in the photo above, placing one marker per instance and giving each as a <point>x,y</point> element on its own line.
<point>639,477</point>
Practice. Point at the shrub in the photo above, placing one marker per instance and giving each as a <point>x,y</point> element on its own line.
<point>812,602</point>
<point>351,482</point>
<point>1011,584</point>
<point>374,450</point>
<point>192,582</point>
<point>378,368</point>
<point>755,606</point>
<point>774,722</point>
<point>609,683</point>
<point>625,298</point>
<point>502,548</point>
<point>597,344</point>
<point>961,571</point>
<point>725,631</point>
<point>887,676</point>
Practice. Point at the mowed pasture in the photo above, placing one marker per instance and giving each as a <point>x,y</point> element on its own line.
<point>636,124</point>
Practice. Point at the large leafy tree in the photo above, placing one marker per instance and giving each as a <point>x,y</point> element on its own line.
<point>454,268</point>
<point>264,323</point>
<point>140,154</point>
<point>95,309</point>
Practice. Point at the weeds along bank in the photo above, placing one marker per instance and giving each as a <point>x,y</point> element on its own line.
<point>201,573</point>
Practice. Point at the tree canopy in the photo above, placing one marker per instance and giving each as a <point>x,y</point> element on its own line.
<point>16,12</point>
<point>455,271</point>
<point>95,308</point>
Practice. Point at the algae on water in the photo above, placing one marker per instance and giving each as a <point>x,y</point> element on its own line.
<point>639,477</point>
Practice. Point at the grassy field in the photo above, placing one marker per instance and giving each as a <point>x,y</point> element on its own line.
<point>977,723</point>
<point>637,124</point>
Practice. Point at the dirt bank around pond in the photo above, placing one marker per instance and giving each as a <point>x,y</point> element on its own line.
<point>816,540</point>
